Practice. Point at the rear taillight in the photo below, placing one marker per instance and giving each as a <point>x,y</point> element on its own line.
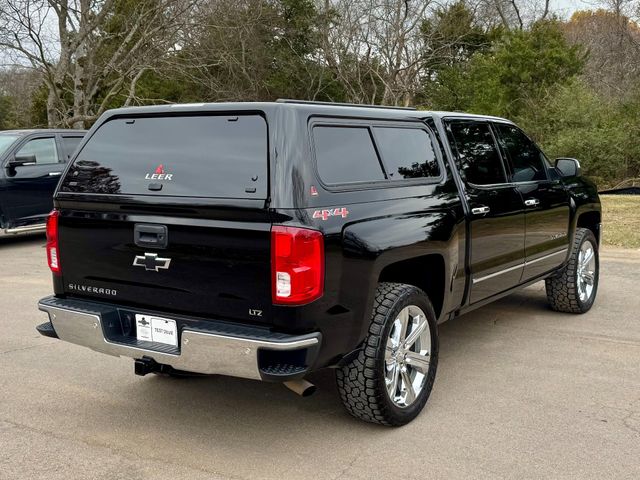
<point>297,265</point>
<point>53,254</point>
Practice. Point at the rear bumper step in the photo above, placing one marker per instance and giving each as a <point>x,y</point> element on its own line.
<point>46,330</point>
<point>207,347</point>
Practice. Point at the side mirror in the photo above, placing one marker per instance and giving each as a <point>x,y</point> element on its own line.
<point>22,161</point>
<point>568,167</point>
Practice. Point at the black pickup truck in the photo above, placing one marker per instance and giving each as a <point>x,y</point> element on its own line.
<point>268,240</point>
<point>32,162</point>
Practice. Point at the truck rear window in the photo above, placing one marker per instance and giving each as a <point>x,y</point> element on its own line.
<point>357,153</point>
<point>222,156</point>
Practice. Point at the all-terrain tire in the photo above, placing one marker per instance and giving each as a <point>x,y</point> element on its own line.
<point>361,381</point>
<point>563,287</point>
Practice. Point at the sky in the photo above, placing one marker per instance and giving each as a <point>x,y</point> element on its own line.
<point>565,8</point>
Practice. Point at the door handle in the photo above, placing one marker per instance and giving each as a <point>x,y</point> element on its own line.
<point>55,174</point>
<point>480,210</point>
<point>150,236</point>
<point>531,202</point>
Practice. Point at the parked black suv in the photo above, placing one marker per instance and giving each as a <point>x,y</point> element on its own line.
<point>267,240</point>
<point>32,162</point>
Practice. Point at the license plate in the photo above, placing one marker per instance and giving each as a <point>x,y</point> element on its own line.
<point>156,329</point>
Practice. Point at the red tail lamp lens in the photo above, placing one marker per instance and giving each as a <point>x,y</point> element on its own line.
<point>53,254</point>
<point>297,265</point>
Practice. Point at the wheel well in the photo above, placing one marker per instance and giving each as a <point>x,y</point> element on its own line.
<point>426,273</point>
<point>590,220</point>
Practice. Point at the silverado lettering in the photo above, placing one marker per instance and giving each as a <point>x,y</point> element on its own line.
<point>89,289</point>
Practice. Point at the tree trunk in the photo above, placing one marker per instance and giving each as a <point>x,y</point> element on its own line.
<point>53,116</point>
<point>79,99</point>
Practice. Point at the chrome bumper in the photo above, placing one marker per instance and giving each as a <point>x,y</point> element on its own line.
<point>40,228</point>
<point>206,352</point>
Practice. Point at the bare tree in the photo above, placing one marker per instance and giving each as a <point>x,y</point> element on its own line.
<point>375,47</point>
<point>513,14</point>
<point>226,53</point>
<point>613,42</point>
<point>87,52</point>
<point>241,50</point>
<point>17,84</point>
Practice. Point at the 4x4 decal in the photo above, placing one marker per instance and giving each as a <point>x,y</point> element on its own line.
<point>336,212</point>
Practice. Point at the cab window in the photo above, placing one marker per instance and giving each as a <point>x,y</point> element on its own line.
<point>43,149</point>
<point>527,161</point>
<point>70,145</point>
<point>477,155</point>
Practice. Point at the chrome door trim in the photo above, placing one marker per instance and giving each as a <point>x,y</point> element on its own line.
<point>521,265</point>
<point>500,272</point>
<point>544,257</point>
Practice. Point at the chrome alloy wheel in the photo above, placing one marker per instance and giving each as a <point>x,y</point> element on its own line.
<point>407,356</point>
<point>586,271</point>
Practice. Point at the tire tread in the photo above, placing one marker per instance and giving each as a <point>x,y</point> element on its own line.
<point>562,288</point>
<point>357,381</point>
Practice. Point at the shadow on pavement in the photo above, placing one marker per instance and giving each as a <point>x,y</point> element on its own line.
<point>22,240</point>
<point>252,411</point>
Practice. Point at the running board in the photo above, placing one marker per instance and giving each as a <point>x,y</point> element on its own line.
<point>41,227</point>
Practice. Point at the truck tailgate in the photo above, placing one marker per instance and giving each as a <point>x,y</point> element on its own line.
<point>218,268</point>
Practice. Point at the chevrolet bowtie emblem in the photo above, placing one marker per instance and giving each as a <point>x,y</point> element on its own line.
<point>151,262</point>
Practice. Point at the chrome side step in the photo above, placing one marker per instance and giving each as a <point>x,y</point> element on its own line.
<point>41,227</point>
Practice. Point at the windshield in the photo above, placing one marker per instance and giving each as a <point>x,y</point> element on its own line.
<point>6,141</point>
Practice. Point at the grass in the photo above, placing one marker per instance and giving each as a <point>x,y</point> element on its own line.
<point>621,220</point>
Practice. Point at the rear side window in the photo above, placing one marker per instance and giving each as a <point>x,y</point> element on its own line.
<point>477,154</point>
<point>527,160</point>
<point>407,152</point>
<point>70,145</point>
<point>346,155</point>
<point>192,156</point>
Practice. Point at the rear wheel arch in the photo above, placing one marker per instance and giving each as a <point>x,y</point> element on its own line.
<point>426,272</point>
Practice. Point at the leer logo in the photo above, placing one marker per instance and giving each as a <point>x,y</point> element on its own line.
<point>159,174</point>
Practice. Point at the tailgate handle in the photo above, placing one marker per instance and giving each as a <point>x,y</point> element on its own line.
<point>153,236</point>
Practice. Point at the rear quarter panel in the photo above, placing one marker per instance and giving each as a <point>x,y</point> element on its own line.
<point>370,229</point>
<point>357,249</point>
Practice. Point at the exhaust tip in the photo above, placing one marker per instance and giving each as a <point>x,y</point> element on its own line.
<point>301,387</point>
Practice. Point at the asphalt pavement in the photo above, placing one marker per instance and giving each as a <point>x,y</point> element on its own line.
<point>521,392</point>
